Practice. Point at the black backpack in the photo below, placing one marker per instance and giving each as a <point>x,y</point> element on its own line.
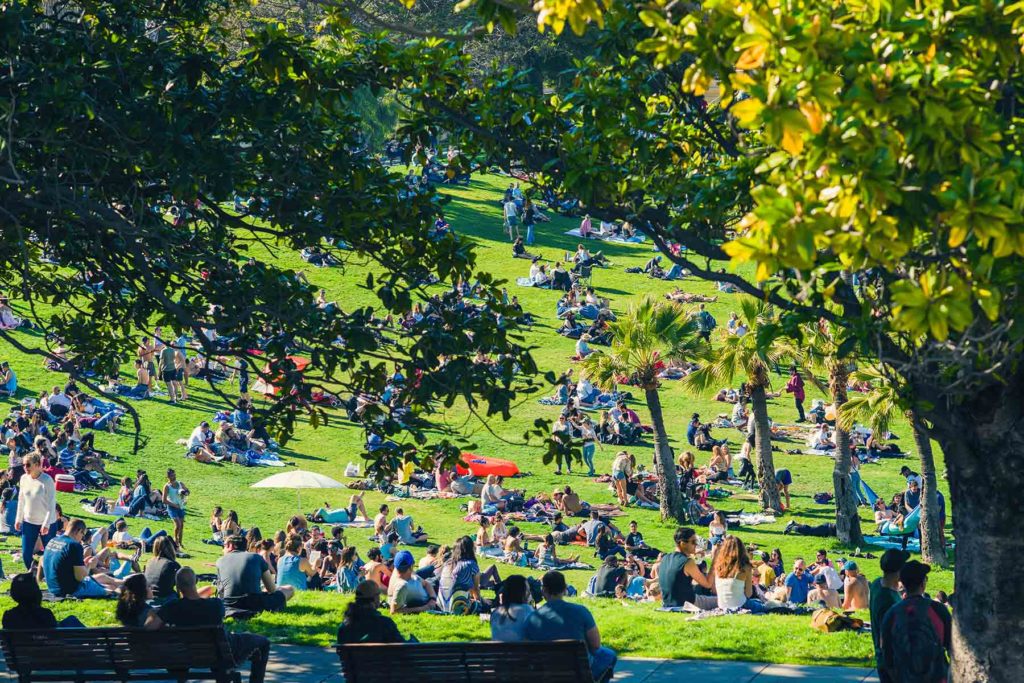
<point>918,655</point>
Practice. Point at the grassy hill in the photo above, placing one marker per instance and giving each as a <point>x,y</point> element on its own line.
<point>633,629</point>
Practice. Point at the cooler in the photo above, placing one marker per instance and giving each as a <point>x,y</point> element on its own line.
<point>65,483</point>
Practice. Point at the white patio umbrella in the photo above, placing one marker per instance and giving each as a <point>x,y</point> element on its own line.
<point>298,479</point>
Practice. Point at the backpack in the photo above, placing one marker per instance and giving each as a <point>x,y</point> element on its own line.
<point>918,655</point>
<point>830,621</point>
<point>823,498</point>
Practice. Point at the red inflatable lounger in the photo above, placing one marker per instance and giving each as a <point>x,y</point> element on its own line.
<point>481,466</point>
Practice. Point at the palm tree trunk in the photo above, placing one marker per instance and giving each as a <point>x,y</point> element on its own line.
<point>669,496</point>
<point>933,542</point>
<point>763,447</point>
<point>847,519</point>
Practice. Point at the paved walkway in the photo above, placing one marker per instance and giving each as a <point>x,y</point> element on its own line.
<point>296,664</point>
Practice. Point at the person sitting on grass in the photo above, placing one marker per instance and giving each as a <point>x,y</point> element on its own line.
<point>407,592</point>
<point>821,593</point>
<point>678,572</point>
<point>557,619</point>
<point>609,577</point>
<point>242,577</point>
<point>67,570</point>
<point>194,610</point>
<point>344,515</point>
<point>856,590</point>
<point>546,553</point>
<point>376,570</point>
<point>293,568</point>
<point>28,611</point>
<point>402,525</point>
<point>798,583</point>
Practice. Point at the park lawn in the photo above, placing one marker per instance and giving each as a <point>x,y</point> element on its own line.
<point>475,211</point>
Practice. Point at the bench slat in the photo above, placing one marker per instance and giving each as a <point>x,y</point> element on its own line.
<point>492,662</point>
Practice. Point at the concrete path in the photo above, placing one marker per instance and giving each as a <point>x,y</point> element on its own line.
<point>297,664</point>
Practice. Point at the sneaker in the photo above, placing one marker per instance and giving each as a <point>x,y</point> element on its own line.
<point>789,528</point>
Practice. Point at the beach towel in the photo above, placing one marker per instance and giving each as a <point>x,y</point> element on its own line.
<point>264,460</point>
<point>527,282</point>
<point>575,232</point>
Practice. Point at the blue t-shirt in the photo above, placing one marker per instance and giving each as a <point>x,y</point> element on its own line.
<point>559,620</point>
<point>60,558</point>
<point>801,585</point>
<point>691,433</point>
<point>912,499</point>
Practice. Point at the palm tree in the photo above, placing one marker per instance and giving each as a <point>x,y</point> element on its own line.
<point>877,409</point>
<point>649,333</point>
<point>750,356</point>
<point>819,352</point>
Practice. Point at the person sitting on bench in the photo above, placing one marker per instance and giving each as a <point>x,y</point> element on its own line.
<point>557,619</point>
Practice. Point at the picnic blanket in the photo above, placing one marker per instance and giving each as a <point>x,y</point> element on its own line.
<point>119,512</point>
<point>266,460</point>
<point>527,282</point>
<point>575,232</point>
<point>527,560</point>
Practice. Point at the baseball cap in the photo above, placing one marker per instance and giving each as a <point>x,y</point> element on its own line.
<point>850,565</point>
<point>912,574</point>
<point>893,560</point>
<point>367,590</point>
<point>820,578</point>
<point>404,559</point>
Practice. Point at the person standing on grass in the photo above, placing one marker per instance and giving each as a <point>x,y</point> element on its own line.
<point>884,593</point>
<point>167,364</point>
<point>37,507</point>
<point>529,219</point>
<point>795,386</point>
<point>916,633</point>
<point>511,214</point>
<point>174,498</point>
<point>146,351</point>
<point>557,619</point>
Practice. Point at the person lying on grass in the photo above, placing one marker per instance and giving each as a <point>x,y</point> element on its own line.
<point>342,515</point>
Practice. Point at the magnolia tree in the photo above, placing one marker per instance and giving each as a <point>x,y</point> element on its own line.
<point>864,157</point>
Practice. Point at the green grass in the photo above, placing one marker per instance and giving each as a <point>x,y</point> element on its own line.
<point>632,629</point>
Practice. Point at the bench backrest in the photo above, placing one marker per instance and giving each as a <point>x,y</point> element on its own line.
<point>558,661</point>
<point>115,649</point>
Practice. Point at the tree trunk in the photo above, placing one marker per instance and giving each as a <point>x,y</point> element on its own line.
<point>763,447</point>
<point>984,448</point>
<point>669,497</point>
<point>847,518</point>
<point>933,545</point>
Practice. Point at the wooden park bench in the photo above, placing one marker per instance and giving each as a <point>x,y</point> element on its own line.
<point>119,654</point>
<point>557,661</point>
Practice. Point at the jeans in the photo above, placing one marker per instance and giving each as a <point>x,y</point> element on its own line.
<point>675,272</point>
<point>29,535</point>
<point>136,506</point>
<point>822,530</point>
<point>588,456</point>
<point>148,538</point>
<point>529,234</point>
<point>602,663</point>
<point>254,648</point>
<point>800,408</point>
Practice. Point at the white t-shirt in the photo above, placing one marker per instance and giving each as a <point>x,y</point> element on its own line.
<point>832,579</point>
<point>60,400</point>
<point>407,592</point>
<point>198,438</point>
<point>510,210</point>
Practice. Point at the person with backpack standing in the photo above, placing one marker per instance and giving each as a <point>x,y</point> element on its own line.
<point>706,324</point>
<point>884,594</point>
<point>795,386</point>
<point>915,638</point>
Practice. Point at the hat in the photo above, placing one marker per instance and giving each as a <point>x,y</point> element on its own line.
<point>912,574</point>
<point>850,565</point>
<point>404,559</point>
<point>367,590</point>
<point>820,578</point>
<point>893,560</point>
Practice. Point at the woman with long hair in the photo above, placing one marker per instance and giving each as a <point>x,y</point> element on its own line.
<point>508,621</point>
<point>132,607</point>
<point>162,568</point>
<point>734,574</point>
<point>460,574</point>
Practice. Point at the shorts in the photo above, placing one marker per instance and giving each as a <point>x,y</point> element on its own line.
<point>151,368</point>
<point>619,475</point>
<point>169,375</point>
<point>784,477</point>
<point>179,374</point>
<point>243,385</point>
<point>90,588</point>
<point>175,513</point>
